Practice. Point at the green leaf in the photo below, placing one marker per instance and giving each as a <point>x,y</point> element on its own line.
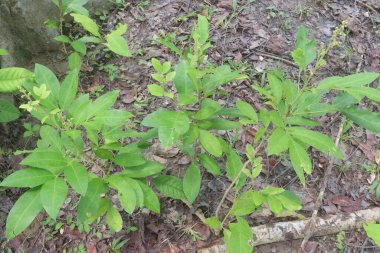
<point>244,204</point>
<point>208,109</point>
<point>87,23</point>
<point>372,230</point>
<point>278,141</point>
<point>79,46</point>
<point>23,212</point>
<point>184,84</point>
<point>30,177</point>
<point>53,194</point>
<point>118,45</point>
<point>68,89</point>
<point>156,90</point>
<point>171,125</point>
<point>270,190</point>
<point>157,65</point>
<point>89,205</point>
<point>233,163</point>
<point>45,76</point>
<point>247,110</point>
<point>192,182</point>
<point>8,112</point>
<point>364,118</point>
<point>78,9</point>
<point>239,238</point>
<point>120,30</point>
<point>171,186</point>
<point>12,78</point>
<point>89,39</point>
<point>113,219</point>
<point>300,160</point>
<point>318,140</point>
<point>210,164</point>
<point>202,29</point>
<point>150,198</point>
<point>220,76</point>
<point>77,176</point>
<point>62,38</point>
<point>145,170</point>
<point>129,159</point>
<point>306,50</point>
<point>50,138</point>
<point>350,81</point>
<point>210,143</point>
<point>75,61</point>
<point>274,204</point>
<point>48,159</point>
<point>213,222</point>
<point>127,195</point>
<point>290,201</point>
<point>3,52</point>
<point>218,124</point>
<point>275,86</point>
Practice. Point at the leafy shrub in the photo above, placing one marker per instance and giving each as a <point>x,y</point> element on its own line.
<point>90,150</point>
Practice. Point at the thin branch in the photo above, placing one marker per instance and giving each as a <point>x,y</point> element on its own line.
<point>310,228</point>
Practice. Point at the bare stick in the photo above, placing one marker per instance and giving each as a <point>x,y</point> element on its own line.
<point>292,230</point>
<point>311,224</point>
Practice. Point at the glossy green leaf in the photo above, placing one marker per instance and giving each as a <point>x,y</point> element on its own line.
<point>145,170</point>
<point>68,89</point>
<point>12,78</point>
<point>171,186</point>
<point>30,177</point>
<point>354,80</point>
<point>210,143</point>
<point>208,109</point>
<point>192,182</point>
<point>247,110</point>
<point>202,29</point>
<point>316,139</point>
<point>213,222</point>
<point>118,45</point>
<point>239,237</point>
<point>89,204</point>
<point>184,84</point>
<point>210,164</point>
<point>77,176</point>
<point>364,118</point>
<point>372,230</point>
<point>44,75</point>
<point>156,90</point>
<point>300,160</point>
<point>53,194</point>
<point>171,125</point>
<point>3,52</point>
<point>87,23</point>
<point>244,204</point>
<point>113,219</point>
<point>23,212</point>
<point>278,141</point>
<point>150,198</point>
<point>48,159</point>
<point>8,112</point>
<point>275,86</point>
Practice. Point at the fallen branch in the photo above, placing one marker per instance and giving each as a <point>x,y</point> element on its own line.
<point>284,231</point>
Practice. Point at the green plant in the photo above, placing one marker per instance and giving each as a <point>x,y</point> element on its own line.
<point>10,81</point>
<point>94,149</point>
<point>339,241</point>
<point>372,229</point>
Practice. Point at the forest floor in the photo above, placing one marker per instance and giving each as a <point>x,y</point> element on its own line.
<point>255,37</point>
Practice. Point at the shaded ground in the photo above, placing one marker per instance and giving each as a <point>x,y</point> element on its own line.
<point>256,37</point>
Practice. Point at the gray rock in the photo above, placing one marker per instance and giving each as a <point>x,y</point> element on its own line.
<point>23,32</point>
